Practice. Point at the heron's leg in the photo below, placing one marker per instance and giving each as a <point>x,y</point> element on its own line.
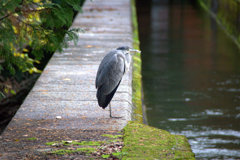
<point>110,110</point>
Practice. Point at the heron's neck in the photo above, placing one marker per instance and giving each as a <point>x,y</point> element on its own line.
<point>127,64</point>
<point>126,61</point>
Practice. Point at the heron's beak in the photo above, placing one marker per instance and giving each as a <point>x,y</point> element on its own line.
<point>134,50</point>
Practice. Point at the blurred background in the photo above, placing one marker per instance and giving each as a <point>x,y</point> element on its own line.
<point>191,75</point>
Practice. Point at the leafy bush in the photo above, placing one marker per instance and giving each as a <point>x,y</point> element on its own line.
<point>31,28</point>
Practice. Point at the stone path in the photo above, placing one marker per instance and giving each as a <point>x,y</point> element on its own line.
<point>63,102</point>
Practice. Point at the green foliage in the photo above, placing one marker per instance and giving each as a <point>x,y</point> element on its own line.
<point>31,28</point>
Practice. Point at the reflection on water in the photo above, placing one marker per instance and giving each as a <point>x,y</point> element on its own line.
<point>191,77</point>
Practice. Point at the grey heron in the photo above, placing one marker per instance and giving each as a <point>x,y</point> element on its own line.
<point>110,73</point>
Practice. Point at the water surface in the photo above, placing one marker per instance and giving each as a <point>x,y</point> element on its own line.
<point>191,77</point>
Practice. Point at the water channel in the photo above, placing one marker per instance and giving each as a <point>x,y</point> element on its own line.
<point>191,77</point>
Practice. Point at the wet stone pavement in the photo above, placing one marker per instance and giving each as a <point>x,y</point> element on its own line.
<point>62,105</point>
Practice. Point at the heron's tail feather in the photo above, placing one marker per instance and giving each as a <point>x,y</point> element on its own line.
<point>104,100</point>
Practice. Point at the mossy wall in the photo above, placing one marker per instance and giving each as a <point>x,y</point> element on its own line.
<point>142,141</point>
<point>145,142</point>
<point>137,75</point>
<point>227,14</point>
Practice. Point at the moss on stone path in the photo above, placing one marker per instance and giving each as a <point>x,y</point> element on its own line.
<point>145,142</point>
<point>108,148</point>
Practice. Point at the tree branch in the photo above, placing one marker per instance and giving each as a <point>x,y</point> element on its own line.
<point>5,16</point>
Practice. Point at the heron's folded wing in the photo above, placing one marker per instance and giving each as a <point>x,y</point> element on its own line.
<point>101,68</point>
<point>110,74</point>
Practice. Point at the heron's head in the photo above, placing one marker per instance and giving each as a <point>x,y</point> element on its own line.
<point>123,48</point>
<point>127,50</point>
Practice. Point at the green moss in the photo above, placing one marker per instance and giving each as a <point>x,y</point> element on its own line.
<point>87,150</point>
<point>112,136</point>
<point>51,143</point>
<point>88,143</point>
<point>118,155</point>
<point>137,76</point>
<point>32,138</point>
<point>81,143</point>
<point>70,151</point>
<point>141,141</point>
<point>105,156</point>
<point>145,142</point>
<point>62,151</point>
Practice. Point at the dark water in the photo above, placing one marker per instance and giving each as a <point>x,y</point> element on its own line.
<point>191,77</point>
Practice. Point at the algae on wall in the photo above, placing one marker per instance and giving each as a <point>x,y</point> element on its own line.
<point>142,141</point>
<point>137,76</point>
<point>227,14</point>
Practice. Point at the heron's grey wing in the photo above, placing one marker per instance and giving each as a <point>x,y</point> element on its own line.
<point>104,100</point>
<point>110,73</point>
<point>109,79</point>
<point>102,68</point>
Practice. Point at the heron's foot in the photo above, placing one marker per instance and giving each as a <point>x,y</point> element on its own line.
<point>115,117</point>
